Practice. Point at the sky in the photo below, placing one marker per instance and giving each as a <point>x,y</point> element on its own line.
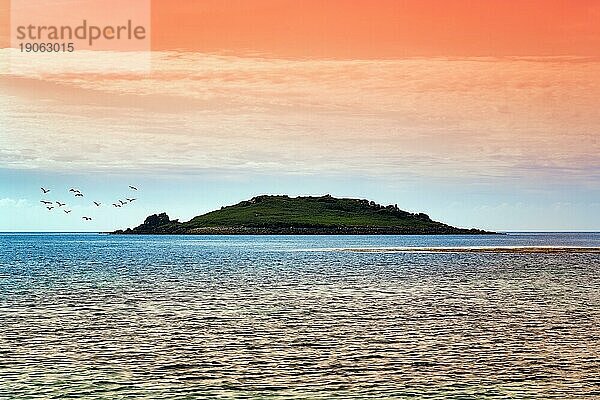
<point>479,113</point>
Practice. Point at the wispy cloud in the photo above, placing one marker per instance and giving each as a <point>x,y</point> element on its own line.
<point>13,203</point>
<point>476,118</point>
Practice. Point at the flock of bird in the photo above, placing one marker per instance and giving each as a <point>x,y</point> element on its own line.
<point>51,205</point>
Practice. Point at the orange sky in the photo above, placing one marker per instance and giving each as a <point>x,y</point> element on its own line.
<point>374,28</point>
<point>4,23</point>
<point>380,29</point>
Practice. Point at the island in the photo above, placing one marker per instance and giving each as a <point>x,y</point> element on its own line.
<point>308,215</point>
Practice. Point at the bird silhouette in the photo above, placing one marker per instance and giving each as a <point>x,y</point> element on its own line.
<point>122,202</point>
<point>78,195</point>
<point>45,202</point>
<point>67,211</point>
<point>50,208</point>
<point>117,205</point>
<point>86,218</point>
<point>131,200</point>
<point>97,203</point>
<point>132,187</point>
<point>74,190</point>
<point>60,204</point>
<point>45,190</point>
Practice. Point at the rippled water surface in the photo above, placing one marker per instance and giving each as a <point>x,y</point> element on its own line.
<point>115,317</point>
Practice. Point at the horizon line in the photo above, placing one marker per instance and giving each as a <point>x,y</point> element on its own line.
<point>104,232</point>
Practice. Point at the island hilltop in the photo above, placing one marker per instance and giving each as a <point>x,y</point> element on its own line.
<point>284,215</point>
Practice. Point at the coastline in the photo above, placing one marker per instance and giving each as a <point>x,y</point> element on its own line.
<point>309,231</point>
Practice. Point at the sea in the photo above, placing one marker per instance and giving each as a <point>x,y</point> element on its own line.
<point>96,316</point>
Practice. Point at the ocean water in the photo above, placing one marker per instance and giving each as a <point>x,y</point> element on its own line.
<point>185,317</point>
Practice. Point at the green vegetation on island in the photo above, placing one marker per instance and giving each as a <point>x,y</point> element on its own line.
<point>284,215</point>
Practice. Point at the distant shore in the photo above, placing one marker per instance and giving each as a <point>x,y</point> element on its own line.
<point>341,230</point>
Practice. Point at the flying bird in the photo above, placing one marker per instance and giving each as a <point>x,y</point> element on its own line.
<point>97,203</point>
<point>78,195</point>
<point>122,202</point>
<point>50,208</point>
<point>116,205</point>
<point>45,190</point>
<point>74,190</point>
<point>132,187</point>
<point>60,204</point>
<point>67,211</point>
<point>131,200</point>
<point>45,202</point>
<point>86,218</point>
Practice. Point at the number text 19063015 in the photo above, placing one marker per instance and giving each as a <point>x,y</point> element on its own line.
<point>47,47</point>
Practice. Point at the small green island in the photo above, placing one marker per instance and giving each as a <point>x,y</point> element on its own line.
<point>285,215</point>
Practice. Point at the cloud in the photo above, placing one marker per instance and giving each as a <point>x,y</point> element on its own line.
<point>475,118</point>
<point>13,203</point>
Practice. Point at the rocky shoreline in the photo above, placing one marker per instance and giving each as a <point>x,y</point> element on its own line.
<point>341,230</point>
